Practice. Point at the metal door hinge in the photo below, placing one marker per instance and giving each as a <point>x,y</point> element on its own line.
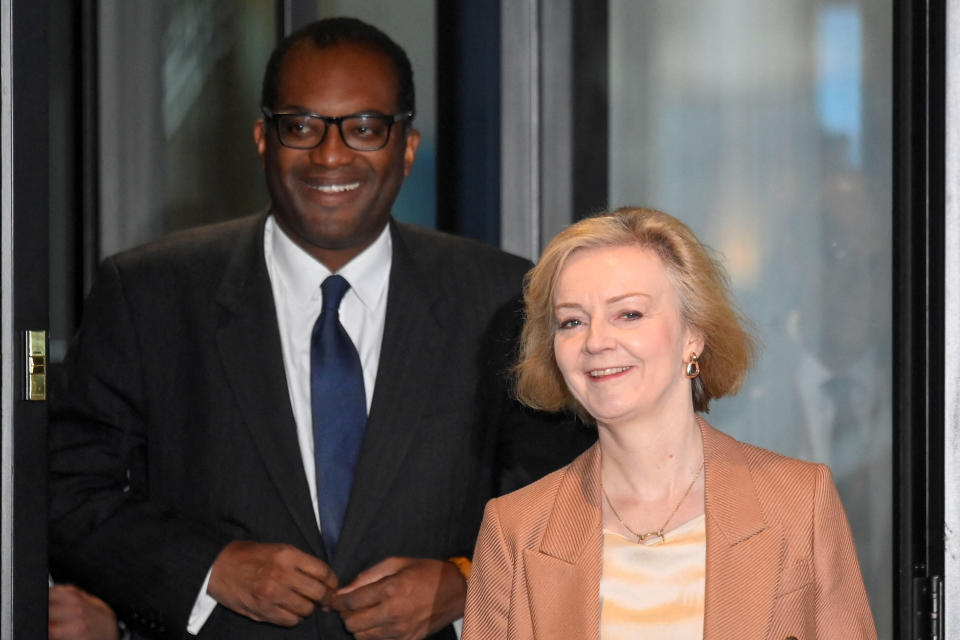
<point>928,607</point>
<point>35,387</point>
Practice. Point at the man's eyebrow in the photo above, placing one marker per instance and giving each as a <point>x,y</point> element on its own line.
<point>293,108</point>
<point>301,110</point>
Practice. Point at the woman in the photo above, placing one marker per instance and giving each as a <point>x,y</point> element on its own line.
<point>666,528</point>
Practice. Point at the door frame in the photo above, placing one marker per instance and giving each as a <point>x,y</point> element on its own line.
<point>24,276</point>
<point>918,316</point>
<point>951,379</point>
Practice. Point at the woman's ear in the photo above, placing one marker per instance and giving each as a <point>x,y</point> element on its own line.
<point>695,342</point>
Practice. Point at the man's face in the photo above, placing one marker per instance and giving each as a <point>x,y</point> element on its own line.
<point>332,200</point>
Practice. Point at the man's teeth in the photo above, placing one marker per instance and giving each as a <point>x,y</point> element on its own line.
<point>335,188</point>
<point>596,373</point>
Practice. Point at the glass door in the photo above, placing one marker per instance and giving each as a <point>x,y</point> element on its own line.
<point>767,128</point>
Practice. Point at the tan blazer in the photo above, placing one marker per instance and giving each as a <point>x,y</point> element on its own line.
<point>780,559</point>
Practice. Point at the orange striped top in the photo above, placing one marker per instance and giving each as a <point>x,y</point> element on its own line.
<point>654,591</point>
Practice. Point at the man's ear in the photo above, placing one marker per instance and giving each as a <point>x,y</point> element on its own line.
<point>260,137</point>
<point>410,151</point>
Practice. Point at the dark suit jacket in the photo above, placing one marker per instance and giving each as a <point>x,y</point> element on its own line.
<point>175,435</point>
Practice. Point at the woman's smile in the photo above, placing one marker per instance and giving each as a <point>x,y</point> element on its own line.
<point>609,372</point>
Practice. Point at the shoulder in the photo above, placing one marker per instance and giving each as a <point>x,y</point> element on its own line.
<point>786,489</point>
<point>791,492</point>
<point>525,503</point>
<point>766,467</point>
<point>453,253</point>
<point>197,256</point>
<point>523,515</point>
<point>778,476</point>
<point>472,278</point>
<point>212,241</point>
<point>183,269</point>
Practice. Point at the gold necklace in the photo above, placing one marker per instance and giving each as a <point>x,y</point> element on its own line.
<point>655,537</point>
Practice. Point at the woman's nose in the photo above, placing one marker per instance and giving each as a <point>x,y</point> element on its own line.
<point>599,337</point>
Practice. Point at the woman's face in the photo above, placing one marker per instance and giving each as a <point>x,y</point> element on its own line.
<point>620,341</point>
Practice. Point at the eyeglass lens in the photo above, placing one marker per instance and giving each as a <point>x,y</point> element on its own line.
<point>363,133</point>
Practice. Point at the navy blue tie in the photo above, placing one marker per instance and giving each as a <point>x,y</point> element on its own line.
<point>339,410</point>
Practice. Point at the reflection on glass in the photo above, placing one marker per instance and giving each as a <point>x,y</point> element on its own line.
<point>213,56</point>
<point>766,127</point>
<point>178,92</point>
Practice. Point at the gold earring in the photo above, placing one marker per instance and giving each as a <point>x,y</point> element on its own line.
<point>692,369</point>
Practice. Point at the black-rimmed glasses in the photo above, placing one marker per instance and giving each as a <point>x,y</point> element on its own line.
<point>361,131</point>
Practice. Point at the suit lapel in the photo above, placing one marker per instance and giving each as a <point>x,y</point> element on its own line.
<point>249,344</point>
<point>744,554</point>
<point>569,559</point>
<point>413,341</point>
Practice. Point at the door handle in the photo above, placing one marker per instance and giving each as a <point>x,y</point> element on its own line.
<point>35,386</point>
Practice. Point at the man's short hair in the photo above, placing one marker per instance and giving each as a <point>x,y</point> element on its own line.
<point>333,31</point>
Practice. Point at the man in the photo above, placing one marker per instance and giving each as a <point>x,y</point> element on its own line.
<point>193,473</point>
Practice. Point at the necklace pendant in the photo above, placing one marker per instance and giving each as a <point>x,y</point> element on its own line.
<point>651,538</point>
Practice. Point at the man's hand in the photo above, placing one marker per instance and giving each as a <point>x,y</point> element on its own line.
<point>404,598</point>
<point>273,583</point>
<point>77,615</point>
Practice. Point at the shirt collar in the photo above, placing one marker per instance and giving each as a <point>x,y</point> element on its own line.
<point>367,273</point>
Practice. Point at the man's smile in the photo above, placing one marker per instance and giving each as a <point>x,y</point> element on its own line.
<point>334,188</point>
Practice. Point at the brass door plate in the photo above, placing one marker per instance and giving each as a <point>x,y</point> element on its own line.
<point>36,365</point>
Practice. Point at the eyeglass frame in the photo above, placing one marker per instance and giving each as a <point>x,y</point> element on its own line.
<point>390,120</point>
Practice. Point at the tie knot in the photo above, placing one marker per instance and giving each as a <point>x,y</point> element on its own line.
<point>333,289</point>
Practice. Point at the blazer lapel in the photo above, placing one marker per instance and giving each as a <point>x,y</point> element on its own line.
<point>413,341</point>
<point>743,562</point>
<point>569,560</point>
<point>744,554</point>
<point>249,344</point>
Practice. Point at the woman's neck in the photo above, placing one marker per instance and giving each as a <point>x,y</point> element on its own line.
<point>651,458</point>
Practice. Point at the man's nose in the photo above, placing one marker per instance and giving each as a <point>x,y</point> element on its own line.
<point>333,151</point>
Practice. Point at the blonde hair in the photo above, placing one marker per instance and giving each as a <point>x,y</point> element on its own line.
<point>701,283</point>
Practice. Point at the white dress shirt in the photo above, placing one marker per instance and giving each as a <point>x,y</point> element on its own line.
<point>295,277</point>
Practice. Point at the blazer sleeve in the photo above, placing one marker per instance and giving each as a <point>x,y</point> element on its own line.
<point>488,590</point>
<point>105,534</point>
<point>842,609</point>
